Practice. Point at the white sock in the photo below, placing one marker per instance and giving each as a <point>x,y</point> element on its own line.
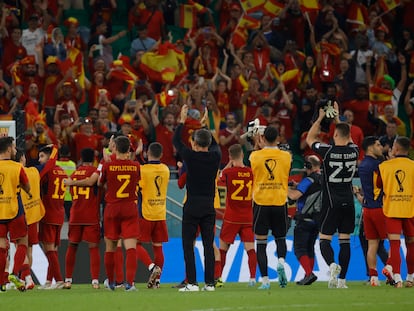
<point>151,266</point>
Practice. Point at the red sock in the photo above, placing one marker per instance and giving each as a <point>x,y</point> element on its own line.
<point>119,265</point>
<point>53,259</point>
<point>223,255</point>
<point>19,258</point>
<point>131,265</point>
<point>109,260</point>
<point>49,275</point>
<point>251,253</point>
<point>395,257</point>
<point>25,271</point>
<point>158,256</point>
<point>3,259</point>
<point>311,263</point>
<point>305,263</point>
<point>94,262</point>
<point>143,256</point>
<point>373,272</point>
<point>70,260</point>
<point>217,269</point>
<point>410,257</point>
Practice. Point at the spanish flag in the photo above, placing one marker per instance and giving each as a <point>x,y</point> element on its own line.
<point>187,16</point>
<point>330,48</point>
<point>388,5</point>
<point>250,6</point>
<point>248,22</point>
<point>200,9</point>
<point>309,5</point>
<point>167,64</point>
<point>290,79</point>
<point>380,98</point>
<point>272,8</point>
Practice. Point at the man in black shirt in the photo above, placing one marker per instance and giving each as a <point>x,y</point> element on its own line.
<point>338,213</point>
<point>203,163</point>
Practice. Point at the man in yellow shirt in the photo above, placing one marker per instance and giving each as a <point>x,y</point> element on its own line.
<point>397,181</point>
<point>271,167</point>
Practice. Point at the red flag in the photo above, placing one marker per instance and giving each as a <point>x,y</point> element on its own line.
<point>290,79</point>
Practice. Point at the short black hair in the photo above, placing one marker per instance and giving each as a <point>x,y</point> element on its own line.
<point>64,151</point>
<point>343,129</point>
<point>155,149</point>
<point>46,150</point>
<point>403,142</point>
<point>122,144</point>
<point>202,138</point>
<point>5,143</point>
<point>271,134</point>
<point>87,155</point>
<point>368,141</point>
<point>19,155</point>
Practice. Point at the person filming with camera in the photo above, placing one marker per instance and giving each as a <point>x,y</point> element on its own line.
<point>307,193</point>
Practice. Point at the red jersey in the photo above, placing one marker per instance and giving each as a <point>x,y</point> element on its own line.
<point>239,182</point>
<point>85,200</point>
<point>164,136</point>
<point>84,141</point>
<point>11,53</point>
<point>53,193</point>
<point>122,178</point>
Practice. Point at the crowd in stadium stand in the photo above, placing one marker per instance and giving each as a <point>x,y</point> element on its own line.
<point>130,66</point>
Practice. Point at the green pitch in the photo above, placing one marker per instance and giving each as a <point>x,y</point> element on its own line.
<point>233,296</point>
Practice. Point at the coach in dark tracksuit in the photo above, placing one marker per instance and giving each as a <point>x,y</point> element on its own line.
<point>202,162</point>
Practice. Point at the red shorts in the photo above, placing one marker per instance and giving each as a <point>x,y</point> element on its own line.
<point>49,233</point>
<point>374,224</point>
<point>121,222</point>
<point>230,230</point>
<point>17,228</point>
<point>33,233</point>
<point>153,231</point>
<point>87,233</point>
<point>398,225</point>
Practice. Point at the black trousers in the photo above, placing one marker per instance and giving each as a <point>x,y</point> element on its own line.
<point>191,221</point>
<point>305,235</point>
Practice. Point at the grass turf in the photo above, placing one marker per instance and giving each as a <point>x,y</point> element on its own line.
<point>233,296</point>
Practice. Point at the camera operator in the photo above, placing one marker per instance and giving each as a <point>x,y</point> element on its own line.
<point>308,195</point>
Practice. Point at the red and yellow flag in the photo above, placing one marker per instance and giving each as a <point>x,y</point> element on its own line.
<point>309,5</point>
<point>290,79</point>
<point>250,6</point>
<point>198,7</point>
<point>248,22</point>
<point>380,98</point>
<point>187,16</point>
<point>167,64</point>
<point>272,8</point>
<point>388,5</point>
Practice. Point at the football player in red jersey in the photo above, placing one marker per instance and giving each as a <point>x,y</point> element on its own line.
<point>84,220</point>
<point>121,215</point>
<point>238,217</point>
<point>53,193</point>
